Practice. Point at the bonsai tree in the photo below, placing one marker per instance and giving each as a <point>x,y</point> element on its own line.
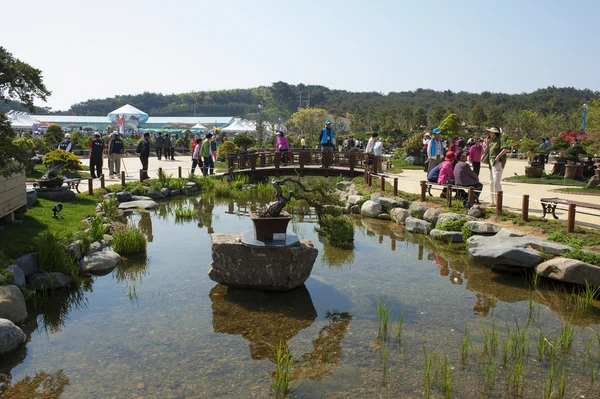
<point>413,144</point>
<point>67,161</point>
<point>559,145</point>
<point>227,148</point>
<point>450,126</point>
<point>243,141</point>
<point>530,148</point>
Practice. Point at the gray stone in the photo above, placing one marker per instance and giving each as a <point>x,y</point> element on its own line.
<point>144,204</point>
<point>390,203</point>
<point>375,197</point>
<point>56,194</point>
<point>155,194</point>
<point>417,210</point>
<point>343,196</point>
<point>508,233</point>
<point>354,199</point>
<point>570,271</point>
<point>175,192</point>
<point>431,215</point>
<point>483,227</point>
<point>31,197</point>
<point>28,263</point>
<point>413,160</point>
<point>446,236</point>
<point>191,184</point>
<point>95,247</point>
<point>399,215</point>
<point>12,304</point>
<point>124,196</point>
<point>165,191</point>
<point>109,195</point>
<point>503,240</point>
<point>384,216</point>
<point>47,281</point>
<point>355,209</point>
<point>99,263</point>
<point>549,247</point>
<point>502,254</point>
<point>75,250</point>
<point>11,336</point>
<point>353,191</point>
<point>444,217</point>
<point>140,198</point>
<point>191,190</point>
<point>343,185</point>
<point>415,225</point>
<point>272,269</point>
<point>107,240</point>
<point>18,277</point>
<point>594,182</point>
<point>370,209</point>
<point>476,212</point>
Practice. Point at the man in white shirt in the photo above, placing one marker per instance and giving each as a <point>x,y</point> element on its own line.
<point>371,144</point>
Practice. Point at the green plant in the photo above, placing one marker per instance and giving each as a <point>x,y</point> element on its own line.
<point>164,178</point>
<point>110,207</point>
<point>280,380</point>
<point>227,148</point>
<point>413,143</point>
<point>383,315</point>
<point>427,382</point>
<point>129,240</point>
<point>584,256</point>
<point>398,328</point>
<point>177,184</point>
<point>184,214</point>
<point>338,230</point>
<point>5,276</point>
<point>566,338</point>
<point>465,347</point>
<point>53,256</point>
<point>451,225</point>
<point>447,378</point>
<point>61,157</point>
<point>85,239</point>
<point>97,228</point>
<point>466,233</point>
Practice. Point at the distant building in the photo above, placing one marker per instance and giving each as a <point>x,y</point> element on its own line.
<point>102,123</point>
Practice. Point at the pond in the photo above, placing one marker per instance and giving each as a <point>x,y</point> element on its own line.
<point>160,328</point>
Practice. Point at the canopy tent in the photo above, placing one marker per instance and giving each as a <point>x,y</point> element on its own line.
<point>198,126</point>
<point>21,120</point>
<point>239,126</point>
<point>131,116</point>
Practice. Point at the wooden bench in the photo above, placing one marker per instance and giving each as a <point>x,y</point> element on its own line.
<point>549,205</point>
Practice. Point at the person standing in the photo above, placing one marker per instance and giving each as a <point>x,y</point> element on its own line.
<point>143,151</point>
<point>496,149</point>
<point>475,153</point>
<point>167,146</point>
<point>116,148</point>
<point>435,151</point>
<point>196,160</point>
<point>426,138</point>
<point>213,148</point>
<point>302,143</point>
<point>159,145</point>
<point>207,155</point>
<point>96,150</point>
<point>173,145</point>
<point>66,144</point>
<point>327,141</point>
<point>282,146</point>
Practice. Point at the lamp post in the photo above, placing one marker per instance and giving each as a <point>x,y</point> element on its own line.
<point>260,106</point>
<point>584,116</point>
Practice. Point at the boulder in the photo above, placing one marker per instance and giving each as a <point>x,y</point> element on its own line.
<point>56,193</point>
<point>504,254</point>
<point>28,263</point>
<point>343,185</point>
<point>355,209</point>
<point>31,197</point>
<point>370,209</point>
<point>124,196</point>
<point>390,203</point>
<point>11,336</point>
<point>476,212</point>
<point>446,236</point>
<point>99,263</point>
<point>431,215</point>
<point>94,247</point>
<point>594,182</point>
<point>165,191</point>
<point>12,304</point>
<point>508,233</point>
<point>144,204</point>
<point>353,191</point>
<point>570,271</point>
<point>354,199</point>
<point>175,192</point>
<point>140,198</point>
<point>536,243</point>
<point>18,277</point>
<point>417,210</point>
<point>413,160</point>
<point>155,194</point>
<point>483,227</point>
<point>384,216</point>
<point>107,240</point>
<point>399,215</point>
<point>46,281</point>
<point>75,250</point>
<point>270,269</point>
<point>443,217</point>
<point>375,197</point>
<point>415,225</point>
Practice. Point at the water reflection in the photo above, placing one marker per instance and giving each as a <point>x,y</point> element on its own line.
<point>145,224</point>
<point>335,257</point>
<point>42,385</point>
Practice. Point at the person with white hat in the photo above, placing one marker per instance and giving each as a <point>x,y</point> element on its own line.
<point>66,144</point>
<point>496,151</point>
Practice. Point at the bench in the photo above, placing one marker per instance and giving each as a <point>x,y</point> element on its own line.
<point>460,192</point>
<point>549,205</point>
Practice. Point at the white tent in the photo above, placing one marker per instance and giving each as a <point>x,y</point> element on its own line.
<point>131,114</point>
<point>198,126</point>
<point>239,126</point>
<point>21,120</point>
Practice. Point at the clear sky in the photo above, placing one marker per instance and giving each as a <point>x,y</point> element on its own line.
<point>97,49</point>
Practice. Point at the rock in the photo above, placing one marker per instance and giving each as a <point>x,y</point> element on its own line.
<point>11,336</point>
<point>18,277</point>
<point>56,193</point>
<point>95,247</point>
<point>570,271</point>
<point>370,209</point>
<point>355,209</point>
<point>384,216</point>
<point>191,190</point>
<point>124,196</point>
<point>390,203</point>
<point>483,227</point>
<point>399,215</point>
<point>12,304</point>
<point>375,197</point>
<point>109,195</point>
<point>594,182</point>
<point>504,254</point>
<point>140,198</point>
<point>107,240</point>
<point>416,210</point>
<point>343,196</point>
<point>446,236</point>
<point>444,217</point>
<point>175,192</point>
<point>508,233</point>
<point>272,269</point>
<point>415,225</point>
<point>99,263</point>
<point>191,184</point>
<point>109,227</point>
<point>412,160</point>
<point>28,263</point>
<point>549,247</point>
<point>353,191</point>
<point>343,185</point>
<point>431,215</point>
<point>31,197</point>
<point>354,199</point>
<point>75,250</point>
<point>46,281</point>
<point>165,191</point>
<point>144,204</point>
<point>155,194</point>
<point>476,212</point>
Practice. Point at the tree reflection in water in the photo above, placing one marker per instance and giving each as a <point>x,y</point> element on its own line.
<point>335,257</point>
<point>42,385</point>
<point>145,224</point>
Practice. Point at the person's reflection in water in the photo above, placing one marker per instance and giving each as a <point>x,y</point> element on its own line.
<point>455,277</point>
<point>145,224</point>
<point>442,264</point>
<point>483,304</point>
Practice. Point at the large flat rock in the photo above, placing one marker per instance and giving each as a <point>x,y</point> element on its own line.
<point>570,271</point>
<point>504,254</point>
<point>446,236</point>
<point>144,204</point>
<point>415,225</point>
<point>99,263</point>
<point>269,269</point>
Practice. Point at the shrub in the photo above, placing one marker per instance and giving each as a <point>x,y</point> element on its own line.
<point>451,225</point>
<point>243,141</point>
<point>53,256</point>
<point>5,276</point>
<point>177,184</point>
<point>414,143</point>
<point>227,148</point>
<point>338,230</point>
<point>61,157</point>
<point>53,136</point>
<point>129,240</point>
<point>97,228</point>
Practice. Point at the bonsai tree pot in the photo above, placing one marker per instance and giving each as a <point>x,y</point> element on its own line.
<point>264,228</point>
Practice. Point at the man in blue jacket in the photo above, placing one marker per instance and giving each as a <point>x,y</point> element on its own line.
<point>326,139</point>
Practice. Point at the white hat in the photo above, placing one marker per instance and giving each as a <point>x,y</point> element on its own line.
<point>427,134</point>
<point>68,136</point>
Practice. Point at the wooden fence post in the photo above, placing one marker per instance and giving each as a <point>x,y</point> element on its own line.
<point>571,219</point>
<point>395,186</point>
<point>423,190</point>
<point>525,208</point>
<point>160,172</point>
<point>369,179</point>
<point>471,195</point>
<point>91,186</point>
<point>123,179</point>
<point>499,201</point>
<point>102,185</point>
<point>382,183</point>
<point>449,194</point>
<point>141,174</point>
<point>179,171</point>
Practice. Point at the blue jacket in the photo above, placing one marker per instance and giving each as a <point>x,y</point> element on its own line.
<point>434,174</point>
<point>325,135</point>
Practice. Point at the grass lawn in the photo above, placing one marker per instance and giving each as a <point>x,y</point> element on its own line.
<point>17,239</point>
<point>400,164</point>
<point>547,179</point>
<point>580,190</point>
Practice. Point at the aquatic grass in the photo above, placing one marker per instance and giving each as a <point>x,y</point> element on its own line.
<point>427,380</point>
<point>184,214</point>
<point>584,303</point>
<point>129,240</point>
<point>385,351</point>
<point>567,333</point>
<point>398,328</point>
<point>53,256</point>
<point>465,346</point>
<point>561,383</point>
<point>490,376</point>
<point>282,376</point>
<point>515,381</point>
<point>505,352</point>
<point>177,184</point>
<point>110,207</point>
<point>97,228</point>
<point>542,344</point>
<point>383,316</point>
<point>164,179</point>
<point>447,378</point>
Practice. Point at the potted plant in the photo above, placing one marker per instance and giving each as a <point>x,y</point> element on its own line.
<point>532,151</point>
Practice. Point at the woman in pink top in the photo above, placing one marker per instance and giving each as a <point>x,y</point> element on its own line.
<point>282,146</point>
<point>196,159</point>
<point>475,156</point>
<point>447,169</point>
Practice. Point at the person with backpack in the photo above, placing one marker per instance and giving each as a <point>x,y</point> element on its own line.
<point>115,152</point>
<point>96,151</point>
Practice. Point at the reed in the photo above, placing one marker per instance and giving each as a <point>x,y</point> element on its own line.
<point>561,383</point>
<point>490,376</point>
<point>383,316</point>
<point>282,376</point>
<point>465,346</point>
<point>53,257</point>
<point>447,378</point>
<point>542,344</point>
<point>183,214</point>
<point>385,350</point>
<point>97,228</point>
<point>427,382</point>
<point>398,328</point>
<point>110,207</point>
<point>567,333</point>
<point>505,352</point>
<point>129,240</point>
<point>164,179</point>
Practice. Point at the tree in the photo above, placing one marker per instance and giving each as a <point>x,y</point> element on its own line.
<point>496,116</point>
<point>243,141</point>
<point>450,126</point>
<point>420,118</point>
<point>53,136</point>
<point>308,121</point>
<point>18,81</point>
<point>528,123</point>
<point>478,116</point>
<point>437,115</point>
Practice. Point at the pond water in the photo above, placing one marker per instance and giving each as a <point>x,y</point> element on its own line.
<point>161,328</point>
